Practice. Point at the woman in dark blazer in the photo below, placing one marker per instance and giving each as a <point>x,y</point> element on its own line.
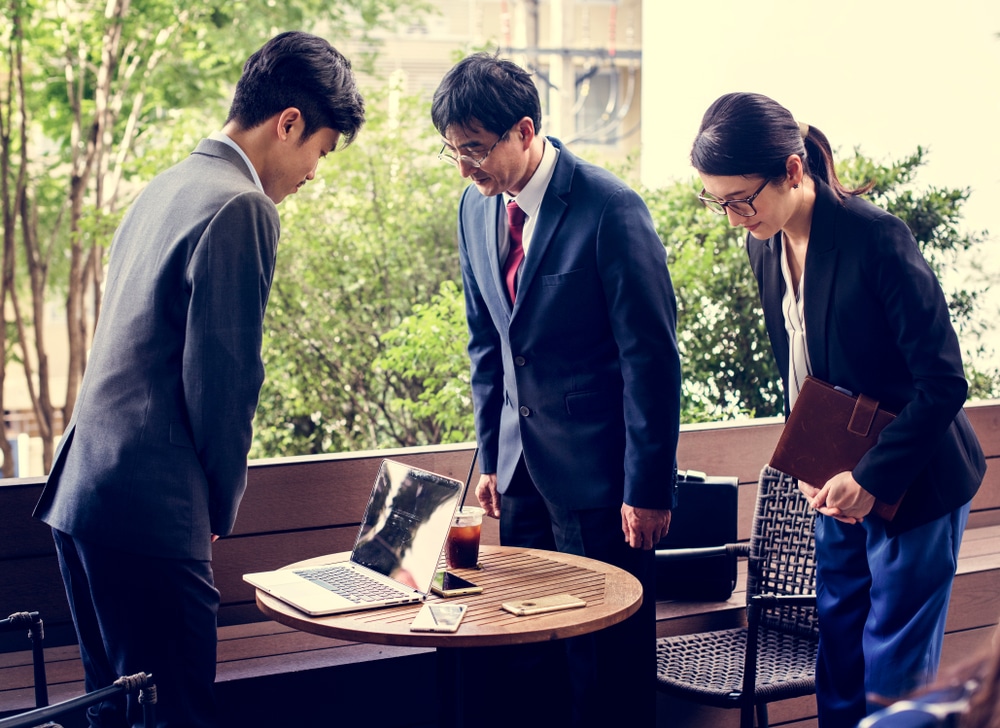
<point>848,298</point>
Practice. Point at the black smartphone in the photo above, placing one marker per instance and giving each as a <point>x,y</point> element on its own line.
<point>450,585</point>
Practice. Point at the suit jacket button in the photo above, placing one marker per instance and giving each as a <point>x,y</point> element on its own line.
<point>525,412</point>
<point>519,361</point>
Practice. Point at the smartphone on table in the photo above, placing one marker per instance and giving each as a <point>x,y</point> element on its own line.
<point>446,584</point>
<point>541,605</point>
<point>437,617</point>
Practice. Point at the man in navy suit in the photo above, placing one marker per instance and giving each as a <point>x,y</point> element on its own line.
<point>575,370</point>
<point>152,466</point>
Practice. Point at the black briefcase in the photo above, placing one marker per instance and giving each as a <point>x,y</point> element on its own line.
<point>705,516</point>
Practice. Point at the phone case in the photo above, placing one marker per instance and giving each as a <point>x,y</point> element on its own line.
<point>525,607</point>
<point>438,618</point>
<point>442,587</point>
<point>457,592</point>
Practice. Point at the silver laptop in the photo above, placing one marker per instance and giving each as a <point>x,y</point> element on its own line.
<point>395,554</point>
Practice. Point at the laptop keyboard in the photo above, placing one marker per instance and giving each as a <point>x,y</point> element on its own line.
<point>350,584</point>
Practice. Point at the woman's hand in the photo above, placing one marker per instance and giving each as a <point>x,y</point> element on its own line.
<point>809,491</point>
<point>843,498</point>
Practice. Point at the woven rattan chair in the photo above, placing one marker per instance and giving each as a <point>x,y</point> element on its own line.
<point>774,657</point>
<point>32,622</point>
<point>140,683</point>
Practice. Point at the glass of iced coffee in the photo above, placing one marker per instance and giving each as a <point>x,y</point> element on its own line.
<point>461,550</point>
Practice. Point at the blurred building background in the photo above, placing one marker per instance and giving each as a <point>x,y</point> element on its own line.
<point>585,56</point>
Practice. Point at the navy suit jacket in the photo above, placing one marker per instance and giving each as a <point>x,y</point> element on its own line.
<point>154,458</point>
<point>582,375</point>
<point>877,323</point>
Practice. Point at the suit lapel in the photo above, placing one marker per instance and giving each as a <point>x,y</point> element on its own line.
<point>821,264</point>
<point>550,215</point>
<point>492,207</point>
<point>774,290</point>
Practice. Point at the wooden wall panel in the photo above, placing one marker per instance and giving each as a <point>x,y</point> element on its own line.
<point>295,508</point>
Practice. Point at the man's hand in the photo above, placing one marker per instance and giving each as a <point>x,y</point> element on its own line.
<point>843,498</point>
<point>489,498</point>
<point>644,527</point>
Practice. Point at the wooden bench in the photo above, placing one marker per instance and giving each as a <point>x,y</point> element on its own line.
<point>300,507</point>
<point>294,509</point>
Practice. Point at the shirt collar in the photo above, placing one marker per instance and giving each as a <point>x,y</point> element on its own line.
<point>530,198</point>
<point>220,136</point>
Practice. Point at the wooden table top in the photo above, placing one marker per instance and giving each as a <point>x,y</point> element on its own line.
<point>612,595</point>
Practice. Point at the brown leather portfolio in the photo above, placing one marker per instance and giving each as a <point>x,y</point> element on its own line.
<point>828,432</point>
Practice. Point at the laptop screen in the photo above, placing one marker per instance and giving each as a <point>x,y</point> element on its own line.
<point>406,523</point>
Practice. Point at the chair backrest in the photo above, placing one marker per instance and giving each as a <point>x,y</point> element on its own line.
<point>782,551</point>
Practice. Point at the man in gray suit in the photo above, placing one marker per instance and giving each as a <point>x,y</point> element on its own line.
<point>152,466</point>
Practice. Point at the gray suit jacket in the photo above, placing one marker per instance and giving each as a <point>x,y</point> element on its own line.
<point>154,458</point>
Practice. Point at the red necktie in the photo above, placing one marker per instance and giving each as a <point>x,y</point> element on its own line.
<point>515,256</point>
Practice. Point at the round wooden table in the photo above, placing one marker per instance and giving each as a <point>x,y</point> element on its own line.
<point>506,574</point>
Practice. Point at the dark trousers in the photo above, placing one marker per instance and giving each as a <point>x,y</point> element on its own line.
<point>136,613</point>
<point>882,603</point>
<point>605,678</point>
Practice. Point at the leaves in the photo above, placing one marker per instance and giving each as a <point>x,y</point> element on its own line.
<point>726,363</point>
<point>365,334</point>
<point>114,93</point>
<point>425,356</point>
<point>934,216</point>
<point>367,330</point>
<point>365,250</point>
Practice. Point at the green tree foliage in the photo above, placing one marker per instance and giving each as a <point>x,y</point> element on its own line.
<point>365,336</point>
<point>728,368</point>
<point>726,361</point>
<point>364,246</point>
<point>935,217</point>
<point>97,98</point>
<point>426,355</point>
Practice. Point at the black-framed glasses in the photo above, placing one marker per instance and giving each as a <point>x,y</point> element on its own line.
<point>445,155</point>
<point>743,208</point>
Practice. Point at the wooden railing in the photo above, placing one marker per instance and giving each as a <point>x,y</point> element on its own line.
<point>296,508</point>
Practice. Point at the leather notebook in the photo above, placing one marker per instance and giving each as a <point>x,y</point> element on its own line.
<point>828,432</point>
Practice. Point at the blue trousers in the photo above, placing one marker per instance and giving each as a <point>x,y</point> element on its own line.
<point>882,604</point>
<point>136,613</point>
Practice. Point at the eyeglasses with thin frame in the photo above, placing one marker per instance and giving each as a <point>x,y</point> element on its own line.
<point>446,156</point>
<point>743,208</point>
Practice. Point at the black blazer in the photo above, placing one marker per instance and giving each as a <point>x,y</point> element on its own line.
<point>877,323</point>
